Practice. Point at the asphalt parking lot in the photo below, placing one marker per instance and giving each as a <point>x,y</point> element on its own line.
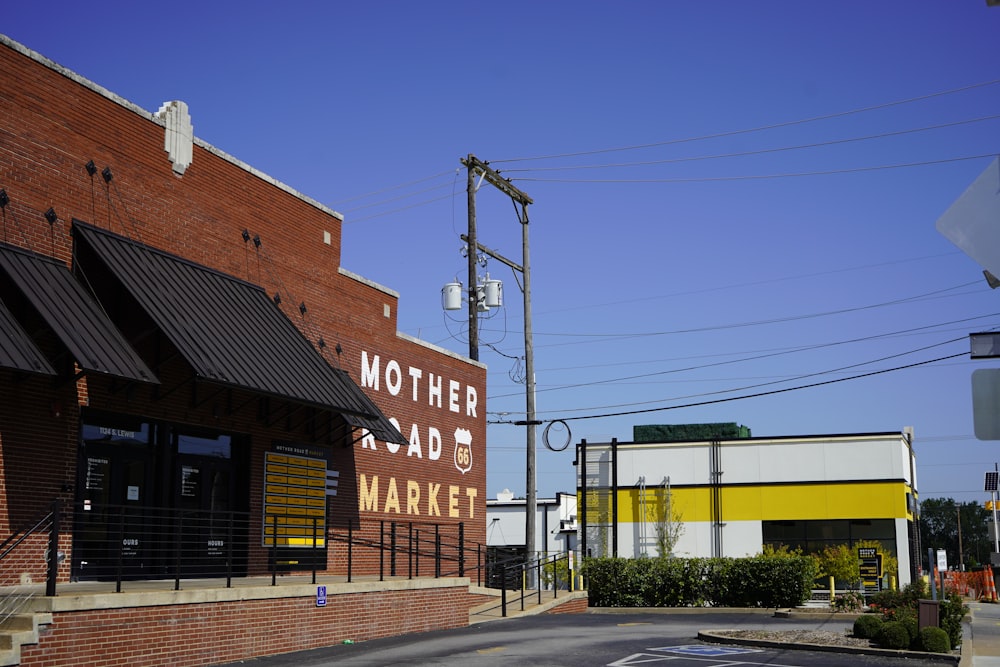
<point>585,640</point>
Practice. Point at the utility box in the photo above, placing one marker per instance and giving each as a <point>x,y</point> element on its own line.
<point>928,614</point>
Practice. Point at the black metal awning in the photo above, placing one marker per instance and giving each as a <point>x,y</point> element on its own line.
<point>16,349</point>
<point>230,332</point>
<point>56,297</point>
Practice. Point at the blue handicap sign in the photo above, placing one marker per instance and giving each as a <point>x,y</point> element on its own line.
<point>321,596</point>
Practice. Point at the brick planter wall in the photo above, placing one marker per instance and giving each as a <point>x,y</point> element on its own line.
<point>217,632</point>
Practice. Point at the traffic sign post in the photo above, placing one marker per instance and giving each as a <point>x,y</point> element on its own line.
<point>992,478</point>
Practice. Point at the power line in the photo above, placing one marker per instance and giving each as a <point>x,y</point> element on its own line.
<point>399,198</point>
<point>758,177</point>
<point>769,355</point>
<point>689,140</point>
<point>763,151</point>
<point>918,331</point>
<point>754,323</point>
<point>724,391</point>
<point>760,128</point>
<point>757,394</point>
<point>756,283</point>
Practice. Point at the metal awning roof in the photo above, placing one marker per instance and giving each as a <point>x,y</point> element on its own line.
<point>16,349</point>
<point>230,332</point>
<point>72,315</point>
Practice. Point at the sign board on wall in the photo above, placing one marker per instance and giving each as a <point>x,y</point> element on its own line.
<point>438,474</point>
<point>870,565</point>
<point>295,491</point>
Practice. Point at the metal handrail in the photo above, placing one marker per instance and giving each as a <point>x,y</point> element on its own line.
<point>523,568</point>
<point>13,602</point>
<point>20,535</point>
<point>146,543</point>
<point>415,547</point>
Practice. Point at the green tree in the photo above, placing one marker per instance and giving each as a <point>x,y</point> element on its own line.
<point>841,563</point>
<point>976,542</point>
<point>939,522</point>
<point>939,526</point>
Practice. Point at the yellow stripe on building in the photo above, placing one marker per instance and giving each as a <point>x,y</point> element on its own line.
<point>769,502</point>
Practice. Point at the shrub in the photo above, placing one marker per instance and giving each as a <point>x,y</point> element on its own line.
<point>912,630</point>
<point>849,601</point>
<point>893,635</point>
<point>908,617</point>
<point>866,625</point>
<point>762,581</point>
<point>908,596</point>
<point>933,640</point>
<point>556,573</point>
<point>759,581</point>
<point>952,611</point>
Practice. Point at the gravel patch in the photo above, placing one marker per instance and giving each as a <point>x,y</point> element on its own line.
<point>820,637</point>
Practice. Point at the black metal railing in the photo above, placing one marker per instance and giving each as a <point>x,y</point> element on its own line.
<point>122,543</point>
<point>16,598</point>
<point>543,573</point>
<point>415,545</point>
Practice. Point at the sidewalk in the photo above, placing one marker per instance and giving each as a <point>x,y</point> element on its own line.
<point>527,604</point>
<point>982,634</point>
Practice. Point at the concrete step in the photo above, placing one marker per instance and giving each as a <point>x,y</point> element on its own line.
<point>18,630</point>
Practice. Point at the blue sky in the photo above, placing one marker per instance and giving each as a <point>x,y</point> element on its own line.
<point>730,198</point>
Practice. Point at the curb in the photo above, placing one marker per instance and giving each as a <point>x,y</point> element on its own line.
<point>711,636</point>
<point>818,615</point>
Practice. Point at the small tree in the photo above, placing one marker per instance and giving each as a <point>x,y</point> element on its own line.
<point>666,519</point>
<point>841,563</point>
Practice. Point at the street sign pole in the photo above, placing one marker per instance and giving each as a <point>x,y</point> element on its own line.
<point>996,475</point>
<point>990,485</point>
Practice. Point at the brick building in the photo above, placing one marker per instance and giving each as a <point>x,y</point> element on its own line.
<point>187,367</point>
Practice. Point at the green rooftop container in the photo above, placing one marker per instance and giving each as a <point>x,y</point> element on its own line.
<point>689,432</point>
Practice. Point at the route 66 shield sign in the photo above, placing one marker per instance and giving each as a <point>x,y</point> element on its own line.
<point>463,450</point>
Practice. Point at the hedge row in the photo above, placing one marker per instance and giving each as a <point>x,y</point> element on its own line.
<point>758,581</point>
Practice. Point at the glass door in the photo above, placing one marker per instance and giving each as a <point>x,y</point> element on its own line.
<point>115,490</point>
<point>210,534</point>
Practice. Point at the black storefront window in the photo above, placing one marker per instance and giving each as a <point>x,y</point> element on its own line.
<point>147,488</point>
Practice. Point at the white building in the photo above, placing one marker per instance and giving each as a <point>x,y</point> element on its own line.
<point>555,524</point>
<point>733,496</point>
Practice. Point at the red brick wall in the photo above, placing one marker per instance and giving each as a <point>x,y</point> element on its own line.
<point>212,633</point>
<point>577,606</point>
<point>50,127</point>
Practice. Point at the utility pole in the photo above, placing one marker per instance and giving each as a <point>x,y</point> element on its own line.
<point>961,561</point>
<point>477,166</point>
<point>470,190</point>
<point>996,529</point>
